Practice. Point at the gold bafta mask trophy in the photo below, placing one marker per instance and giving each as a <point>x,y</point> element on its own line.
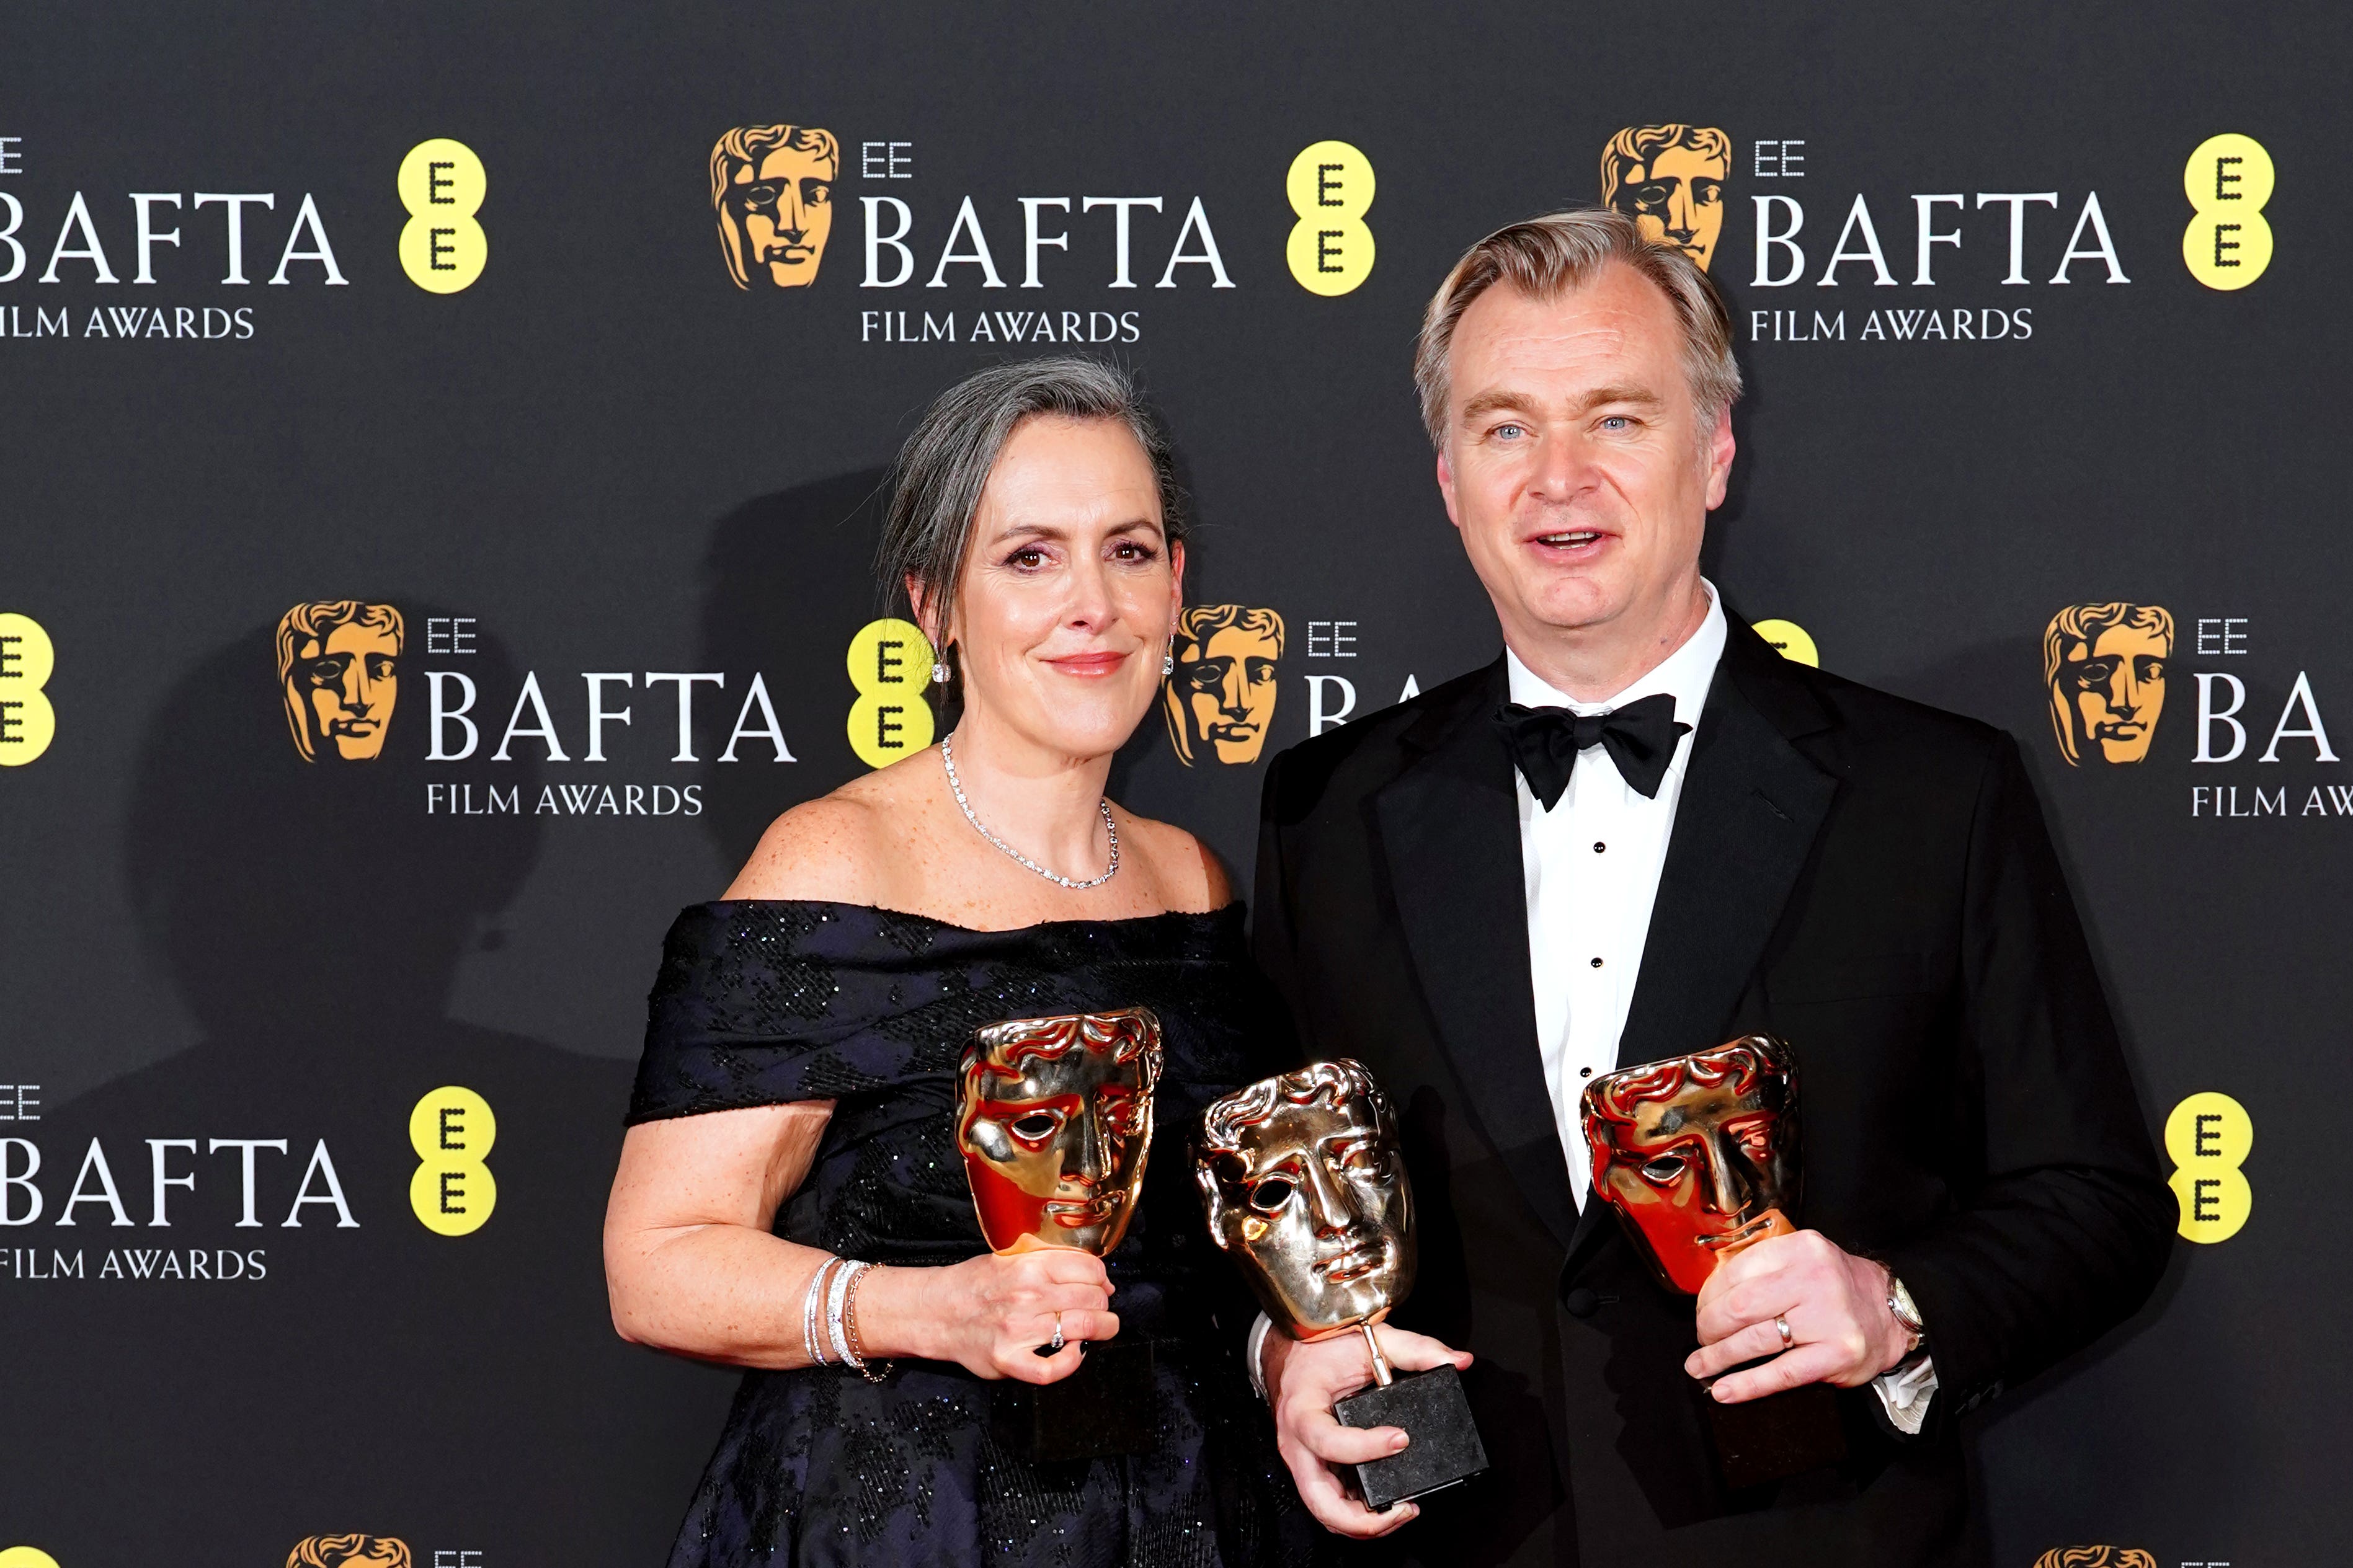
<point>1307,1190</point>
<point>1054,1121</point>
<point>1699,1155</point>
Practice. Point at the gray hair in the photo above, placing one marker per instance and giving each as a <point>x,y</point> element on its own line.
<point>1546,257</point>
<point>936,483</point>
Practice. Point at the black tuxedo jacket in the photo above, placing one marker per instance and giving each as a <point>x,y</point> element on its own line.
<point>1865,877</point>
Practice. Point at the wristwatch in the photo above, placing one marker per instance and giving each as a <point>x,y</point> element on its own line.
<point>1907,1318</point>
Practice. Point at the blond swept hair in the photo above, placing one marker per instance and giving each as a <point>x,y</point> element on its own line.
<point>1546,257</point>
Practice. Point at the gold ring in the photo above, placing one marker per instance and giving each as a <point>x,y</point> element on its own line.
<point>1788,1339</point>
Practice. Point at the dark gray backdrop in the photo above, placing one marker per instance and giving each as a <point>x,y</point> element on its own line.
<point>613,459</point>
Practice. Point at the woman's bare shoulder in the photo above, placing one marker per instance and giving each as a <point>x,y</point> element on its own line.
<point>841,848</point>
<point>1191,877</point>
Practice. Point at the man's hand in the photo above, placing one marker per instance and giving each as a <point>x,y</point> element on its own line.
<point>1835,1303</point>
<point>1303,1382</point>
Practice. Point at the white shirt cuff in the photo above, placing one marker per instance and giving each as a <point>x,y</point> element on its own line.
<point>1257,1346</point>
<point>1904,1394</point>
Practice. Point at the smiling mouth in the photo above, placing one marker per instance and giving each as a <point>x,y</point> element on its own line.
<point>1570,539</point>
<point>1089,664</point>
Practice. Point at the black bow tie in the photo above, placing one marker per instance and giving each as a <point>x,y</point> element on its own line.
<point>1640,738</point>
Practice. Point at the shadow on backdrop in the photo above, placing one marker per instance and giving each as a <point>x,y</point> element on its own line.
<point>786,582</point>
<point>313,916</point>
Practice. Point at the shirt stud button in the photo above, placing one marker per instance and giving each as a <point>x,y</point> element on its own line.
<point>1599,847</point>
<point>1596,963</point>
<point>1585,1072</point>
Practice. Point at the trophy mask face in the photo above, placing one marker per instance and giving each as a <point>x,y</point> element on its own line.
<point>1304,1187</point>
<point>1054,1122</point>
<point>1692,1152</point>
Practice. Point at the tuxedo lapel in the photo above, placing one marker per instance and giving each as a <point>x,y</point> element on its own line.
<point>1745,826</point>
<point>1450,830</point>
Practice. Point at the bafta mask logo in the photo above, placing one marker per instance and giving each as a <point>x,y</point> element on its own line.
<point>1669,179</point>
<point>2096,1557</point>
<point>1696,1151</point>
<point>1054,1121</point>
<point>771,190</point>
<point>349,1552</point>
<point>2104,666</point>
<point>1300,1176</point>
<point>1220,699</point>
<point>339,669</point>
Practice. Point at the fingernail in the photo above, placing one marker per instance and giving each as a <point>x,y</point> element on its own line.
<point>1718,1394</point>
<point>1399,1441</point>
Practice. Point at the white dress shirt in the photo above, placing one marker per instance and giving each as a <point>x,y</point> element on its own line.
<point>1591,868</point>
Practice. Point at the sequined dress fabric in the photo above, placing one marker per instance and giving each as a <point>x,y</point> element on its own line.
<point>765,1001</point>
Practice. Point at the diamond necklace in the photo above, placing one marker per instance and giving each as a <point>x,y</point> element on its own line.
<point>955,786</point>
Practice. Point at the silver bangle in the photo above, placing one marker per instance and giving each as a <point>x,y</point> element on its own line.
<point>837,1296</point>
<point>810,1303</point>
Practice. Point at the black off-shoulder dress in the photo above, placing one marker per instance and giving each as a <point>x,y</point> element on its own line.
<point>759,1003</point>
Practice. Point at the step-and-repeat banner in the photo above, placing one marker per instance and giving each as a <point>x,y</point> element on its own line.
<point>439,450</point>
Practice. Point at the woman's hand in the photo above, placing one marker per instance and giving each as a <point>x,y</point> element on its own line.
<point>991,1314</point>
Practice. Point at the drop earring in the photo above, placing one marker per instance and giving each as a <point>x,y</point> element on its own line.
<point>1168,663</point>
<point>939,672</point>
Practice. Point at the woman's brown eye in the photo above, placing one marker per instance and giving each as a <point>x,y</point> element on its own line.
<point>1269,1195</point>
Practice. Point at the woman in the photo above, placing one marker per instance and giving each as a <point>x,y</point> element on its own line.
<point>797,1099</point>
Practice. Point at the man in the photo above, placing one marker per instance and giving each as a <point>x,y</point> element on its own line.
<point>339,671</point>
<point>1221,697</point>
<point>2105,668</point>
<point>772,188</point>
<point>1490,896</point>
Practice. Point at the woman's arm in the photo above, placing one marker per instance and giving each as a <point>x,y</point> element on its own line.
<point>689,1260</point>
<point>691,1266</point>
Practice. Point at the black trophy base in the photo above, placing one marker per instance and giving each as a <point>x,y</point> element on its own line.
<point>1779,1435</point>
<point>1445,1448</point>
<point>1101,1409</point>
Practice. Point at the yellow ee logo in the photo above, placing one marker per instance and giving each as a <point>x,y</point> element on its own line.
<point>2227,180</point>
<point>453,1192</point>
<point>1790,641</point>
<point>442,183</point>
<point>1331,188</point>
<point>26,1557</point>
<point>889,663</point>
<point>2208,1137</point>
<point>27,723</point>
